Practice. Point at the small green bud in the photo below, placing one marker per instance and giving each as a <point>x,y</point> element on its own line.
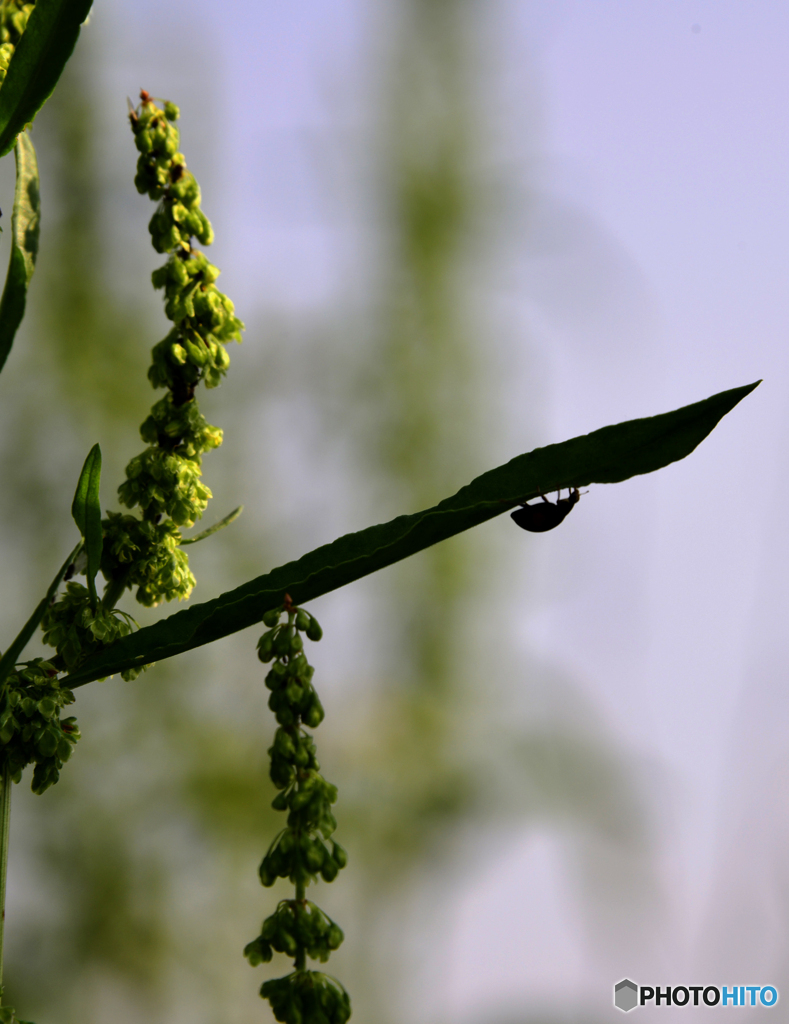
<point>222,359</point>
<point>47,742</point>
<point>282,641</point>
<point>197,352</point>
<point>144,142</point>
<point>339,855</point>
<point>329,870</point>
<point>210,274</point>
<point>179,213</point>
<point>64,749</point>
<point>269,928</point>
<point>171,112</point>
<point>285,716</point>
<point>295,666</point>
<point>265,647</point>
<point>303,755</point>
<point>258,952</point>
<point>282,774</point>
<point>315,855</point>
<point>177,271</point>
<point>279,670</point>
<point>302,620</point>
<point>47,707</point>
<point>271,617</point>
<point>314,631</point>
<point>300,799</point>
<point>280,802</point>
<point>294,692</point>
<point>283,743</point>
<point>70,727</point>
<point>159,276</point>
<point>314,714</point>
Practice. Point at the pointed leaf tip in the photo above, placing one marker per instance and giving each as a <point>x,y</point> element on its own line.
<point>86,510</point>
<point>608,455</point>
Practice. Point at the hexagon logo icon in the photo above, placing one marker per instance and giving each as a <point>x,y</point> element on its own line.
<point>626,995</point>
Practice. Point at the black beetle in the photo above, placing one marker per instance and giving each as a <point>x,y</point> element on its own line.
<point>545,515</point>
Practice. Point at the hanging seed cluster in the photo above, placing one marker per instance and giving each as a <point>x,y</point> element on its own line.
<point>308,997</point>
<point>77,630</point>
<point>13,21</point>
<point>303,850</point>
<point>164,481</point>
<point>31,729</point>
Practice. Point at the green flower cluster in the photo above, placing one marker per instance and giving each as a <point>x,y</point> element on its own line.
<point>147,555</point>
<point>204,318</point>
<point>76,629</point>
<point>8,1015</point>
<point>13,21</point>
<point>31,730</point>
<point>204,321</point>
<point>162,174</point>
<point>307,997</point>
<point>302,850</point>
<point>164,481</point>
<point>295,923</point>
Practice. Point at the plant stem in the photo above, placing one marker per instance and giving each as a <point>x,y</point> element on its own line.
<point>114,589</point>
<point>5,817</point>
<point>301,953</point>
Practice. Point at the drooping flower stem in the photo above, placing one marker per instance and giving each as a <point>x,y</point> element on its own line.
<point>300,852</point>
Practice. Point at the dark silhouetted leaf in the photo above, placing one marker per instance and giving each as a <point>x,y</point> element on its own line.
<point>604,457</point>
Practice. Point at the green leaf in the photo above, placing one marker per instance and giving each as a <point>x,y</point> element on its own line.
<point>86,510</point>
<point>24,244</point>
<point>228,519</point>
<point>38,61</point>
<point>606,456</point>
<point>11,656</point>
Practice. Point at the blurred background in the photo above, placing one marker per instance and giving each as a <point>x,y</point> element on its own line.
<point>456,230</point>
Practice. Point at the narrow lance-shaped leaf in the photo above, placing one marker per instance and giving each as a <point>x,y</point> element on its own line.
<point>25,221</point>
<point>37,63</point>
<point>11,656</point>
<point>211,530</point>
<point>86,510</point>
<point>606,456</point>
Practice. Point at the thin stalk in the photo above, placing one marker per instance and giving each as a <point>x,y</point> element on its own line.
<point>10,657</point>
<point>301,887</point>
<point>301,953</point>
<point>5,818</point>
<point>114,589</point>
<point>229,518</point>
